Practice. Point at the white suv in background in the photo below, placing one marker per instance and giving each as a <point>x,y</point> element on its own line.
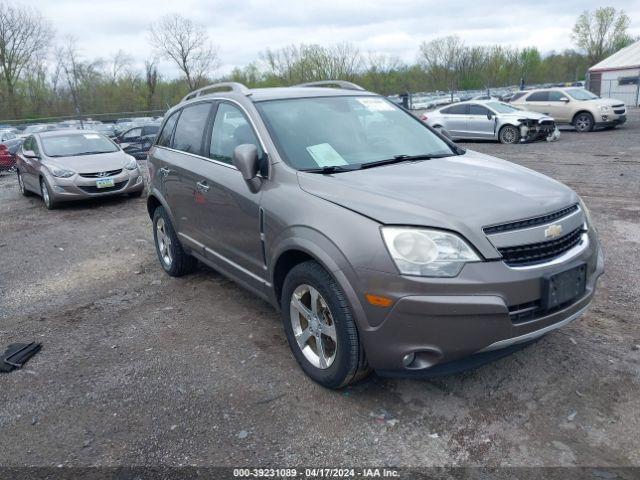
<point>576,106</point>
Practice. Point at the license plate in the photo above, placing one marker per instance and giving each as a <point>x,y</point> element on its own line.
<point>563,287</point>
<point>104,182</point>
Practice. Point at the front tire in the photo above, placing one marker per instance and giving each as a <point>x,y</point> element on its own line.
<point>320,327</point>
<point>173,259</point>
<point>584,122</point>
<point>49,202</point>
<point>509,135</point>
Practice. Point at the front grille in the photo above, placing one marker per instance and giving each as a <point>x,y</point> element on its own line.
<point>94,189</point>
<point>530,222</point>
<point>109,173</point>
<point>526,312</point>
<point>534,253</point>
<point>619,111</point>
<point>620,105</point>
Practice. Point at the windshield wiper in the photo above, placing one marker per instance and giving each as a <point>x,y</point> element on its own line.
<point>331,169</point>
<point>402,158</point>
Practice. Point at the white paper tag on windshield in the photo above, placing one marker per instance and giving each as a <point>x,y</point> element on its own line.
<point>91,136</point>
<point>325,155</point>
<point>375,104</point>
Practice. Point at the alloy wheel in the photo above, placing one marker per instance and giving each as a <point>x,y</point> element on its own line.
<point>164,242</point>
<point>20,183</point>
<point>583,123</point>
<point>45,193</point>
<point>313,326</point>
<point>509,135</point>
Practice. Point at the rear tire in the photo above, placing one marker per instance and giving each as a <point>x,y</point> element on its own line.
<point>509,135</point>
<point>344,358</point>
<point>173,259</point>
<point>21,187</point>
<point>584,122</point>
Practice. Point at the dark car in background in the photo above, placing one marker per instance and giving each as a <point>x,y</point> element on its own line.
<point>138,140</point>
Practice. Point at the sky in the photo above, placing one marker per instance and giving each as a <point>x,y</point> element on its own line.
<point>243,28</point>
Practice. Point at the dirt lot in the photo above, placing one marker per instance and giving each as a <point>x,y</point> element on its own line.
<point>141,369</point>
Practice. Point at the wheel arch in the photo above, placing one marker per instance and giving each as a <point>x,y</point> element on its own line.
<point>575,115</point>
<point>155,200</point>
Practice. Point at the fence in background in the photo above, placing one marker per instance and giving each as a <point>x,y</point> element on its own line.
<point>102,117</point>
<point>625,89</point>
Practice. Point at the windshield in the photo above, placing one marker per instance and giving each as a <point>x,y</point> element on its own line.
<point>500,107</point>
<point>322,132</point>
<point>77,144</point>
<point>581,94</point>
<point>34,128</point>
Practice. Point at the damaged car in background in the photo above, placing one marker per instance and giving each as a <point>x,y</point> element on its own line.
<point>492,120</point>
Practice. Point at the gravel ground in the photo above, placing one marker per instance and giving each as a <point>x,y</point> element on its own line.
<point>141,369</point>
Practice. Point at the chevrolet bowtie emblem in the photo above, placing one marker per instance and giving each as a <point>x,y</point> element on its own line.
<point>553,231</point>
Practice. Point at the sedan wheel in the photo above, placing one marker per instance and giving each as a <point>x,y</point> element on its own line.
<point>509,134</point>
<point>46,195</point>
<point>313,326</point>
<point>584,122</point>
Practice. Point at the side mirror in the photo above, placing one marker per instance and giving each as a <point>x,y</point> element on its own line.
<point>245,159</point>
<point>29,154</point>
<point>489,116</point>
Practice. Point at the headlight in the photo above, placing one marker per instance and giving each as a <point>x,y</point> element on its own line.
<point>587,213</point>
<point>605,108</point>
<point>61,172</point>
<point>132,165</point>
<point>427,253</point>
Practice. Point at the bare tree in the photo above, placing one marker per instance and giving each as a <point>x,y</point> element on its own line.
<point>118,64</point>
<point>151,77</point>
<point>602,32</point>
<point>187,44</point>
<point>440,58</point>
<point>24,36</point>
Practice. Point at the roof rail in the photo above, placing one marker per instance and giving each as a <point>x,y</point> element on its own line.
<point>338,83</point>
<point>233,86</point>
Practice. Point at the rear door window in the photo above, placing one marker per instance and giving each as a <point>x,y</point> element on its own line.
<point>555,96</point>
<point>538,97</point>
<point>457,110</point>
<point>164,140</point>
<point>192,123</point>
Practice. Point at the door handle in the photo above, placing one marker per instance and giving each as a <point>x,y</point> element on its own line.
<point>164,171</point>
<point>202,187</point>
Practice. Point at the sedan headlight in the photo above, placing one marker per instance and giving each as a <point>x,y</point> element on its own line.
<point>427,253</point>
<point>132,165</point>
<point>61,172</point>
<point>605,108</point>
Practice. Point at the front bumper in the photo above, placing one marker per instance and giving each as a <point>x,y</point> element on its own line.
<point>446,320</point>
<point>80,188</point>
<point>611,120</point>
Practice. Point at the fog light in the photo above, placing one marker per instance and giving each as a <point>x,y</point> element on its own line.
<point>408,359</point>
<point>605,118</point>
<point>138,180</point>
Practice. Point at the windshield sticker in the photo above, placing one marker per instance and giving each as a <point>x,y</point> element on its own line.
<point>91,136</point>
<point>325,155</point>
<point>375,104</point>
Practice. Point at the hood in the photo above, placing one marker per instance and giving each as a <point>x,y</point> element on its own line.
<point>526,114</point>
<point>91,163</point>
<point>461,193</point>
<point>606,101</point>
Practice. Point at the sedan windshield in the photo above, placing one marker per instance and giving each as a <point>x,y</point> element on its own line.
<point>332,132</point>
<point>581,94</point>
<point>77,144</point>
<point>500,107</point>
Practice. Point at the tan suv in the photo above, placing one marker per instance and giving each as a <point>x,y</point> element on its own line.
<point>576,106</point>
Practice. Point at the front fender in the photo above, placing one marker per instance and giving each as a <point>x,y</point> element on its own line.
<point>324,251</point>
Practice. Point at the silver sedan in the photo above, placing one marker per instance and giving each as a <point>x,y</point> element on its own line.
<point>492,120</point>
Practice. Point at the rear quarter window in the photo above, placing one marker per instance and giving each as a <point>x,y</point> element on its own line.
<point>164,139</point>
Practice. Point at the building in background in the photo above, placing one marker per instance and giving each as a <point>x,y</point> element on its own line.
<point>618,76</point>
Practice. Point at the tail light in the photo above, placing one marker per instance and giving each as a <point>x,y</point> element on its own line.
<point>424,117</point>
